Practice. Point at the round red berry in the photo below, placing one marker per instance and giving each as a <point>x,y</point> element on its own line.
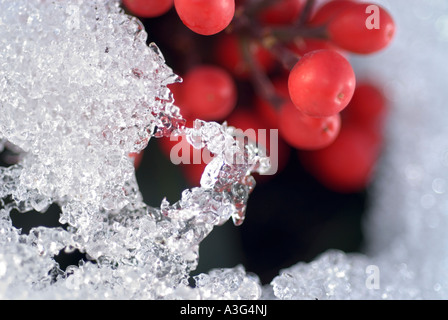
<point>362,28</point>
<point>206,17</point>
<point>322,83</point>
<point>148,8</point>
<point>367,108</point>
<point>347,165</point>
<point>208,93</point>
<point>307,133</point>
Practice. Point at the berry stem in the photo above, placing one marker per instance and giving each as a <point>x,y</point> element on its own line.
<point>284,55</point>
<point>261,81</point>
<point>306,13</point>
<point>288,34</point>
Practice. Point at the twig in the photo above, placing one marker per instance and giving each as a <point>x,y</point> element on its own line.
<point>262,83</point>
<point>306,13</point>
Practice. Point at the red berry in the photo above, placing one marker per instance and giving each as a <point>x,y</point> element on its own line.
<point>359,30</point>
<point>228,54</point>
<point>328,11</point>
<point>205,17</point>
<point>367,108</point>
<point>308,133</point>
<point>282,12</point>
<point>148,8</point>
<point>209,93</point>
<point>322,83</point>
<point>347,164</point>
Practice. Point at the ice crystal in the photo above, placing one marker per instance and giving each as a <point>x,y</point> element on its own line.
<point>80,90</point>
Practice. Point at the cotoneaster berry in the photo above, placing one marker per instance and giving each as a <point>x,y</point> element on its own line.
<point>367,108</point>
<point>148,8</point>
<point>307,133</point>
<point>206,17</point>
<point>361,31</point>
<point>347,165</point>
<point>208,93</point>
<point>322,83</point>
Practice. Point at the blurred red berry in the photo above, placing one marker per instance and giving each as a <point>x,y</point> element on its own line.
<point>367,108</point>
<point>282,12</point>
<point>347,165</point>
<point>208,93</point>
<point>307,133</point>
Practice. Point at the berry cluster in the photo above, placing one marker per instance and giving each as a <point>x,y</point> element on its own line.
<point>295,56</point>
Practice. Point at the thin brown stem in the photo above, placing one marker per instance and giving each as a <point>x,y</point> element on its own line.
<point>284,55</point>
<point>306,13</point>
<point>261,81</point>
<point>288,34</point>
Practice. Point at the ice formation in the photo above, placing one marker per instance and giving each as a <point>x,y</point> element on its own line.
<point>80,90</point>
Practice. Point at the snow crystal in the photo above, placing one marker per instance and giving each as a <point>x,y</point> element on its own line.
<point>80,90</point>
